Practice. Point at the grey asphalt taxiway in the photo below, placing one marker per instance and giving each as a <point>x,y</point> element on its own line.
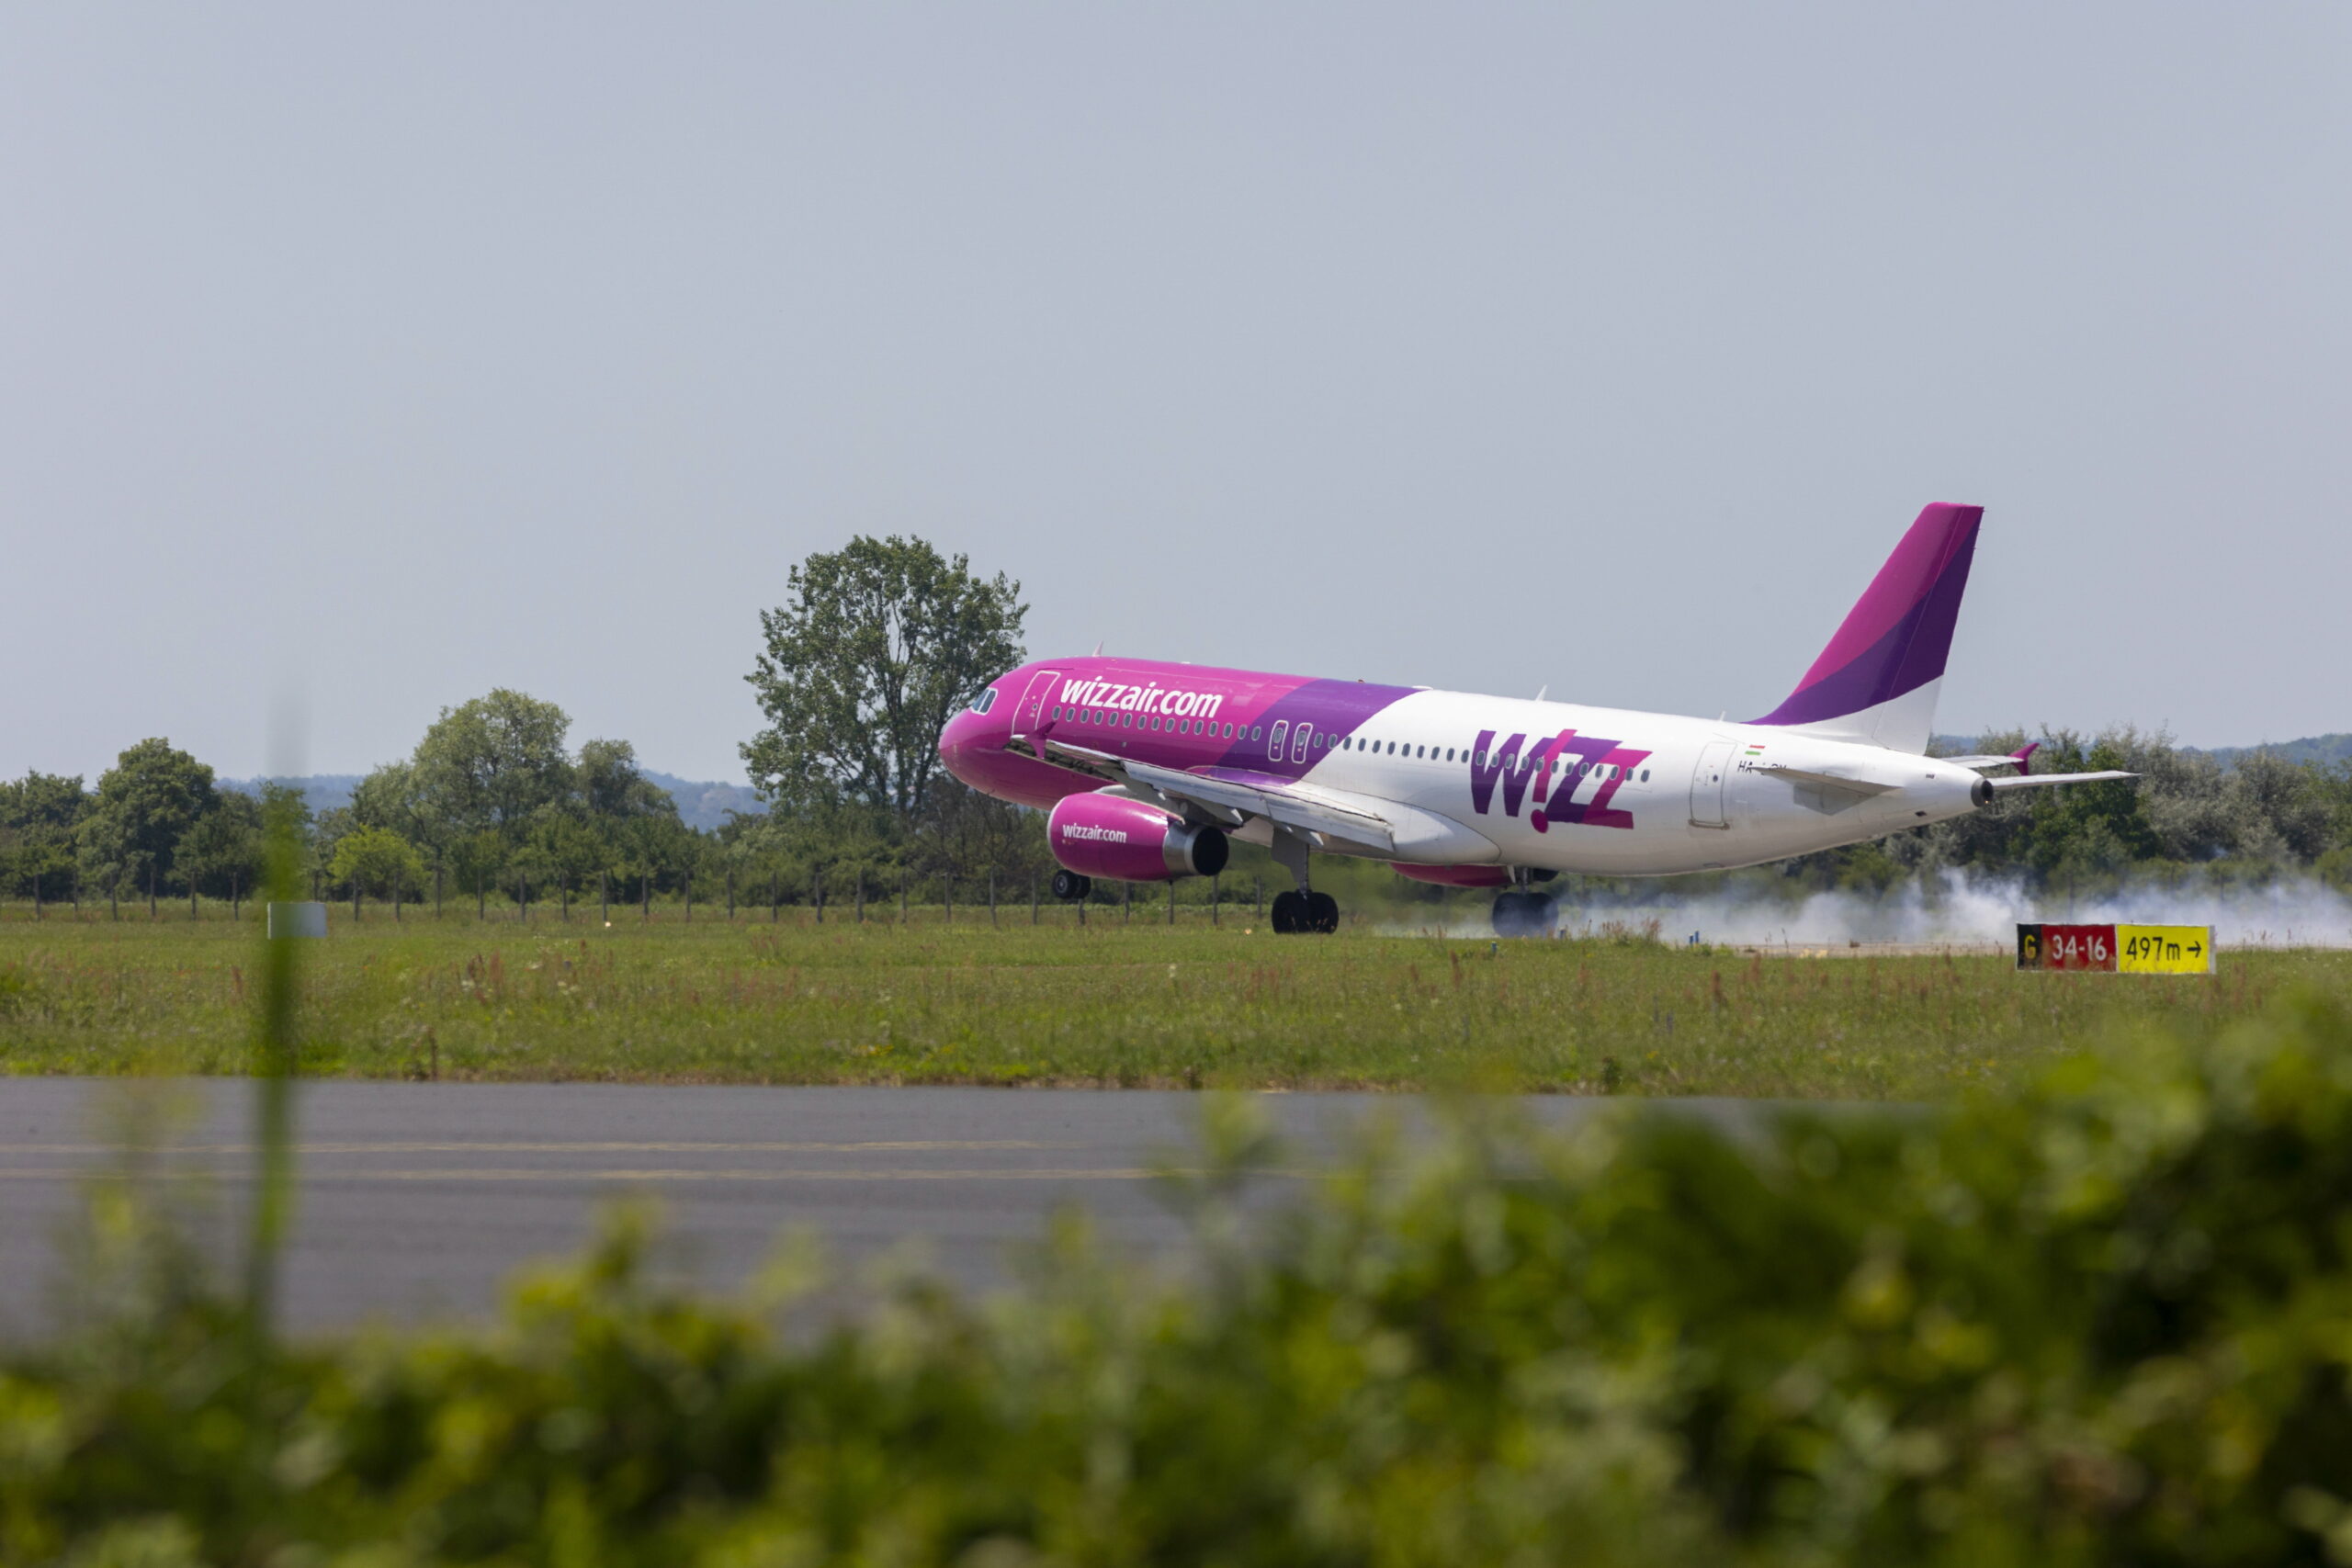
<point>418,1200</point>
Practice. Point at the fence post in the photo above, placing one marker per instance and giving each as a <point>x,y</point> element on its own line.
<point>1172,901</point>
<point>114,891</point>
<point>37,915</point>
<point>396,897</point>
<point>947,898</point>
<point>903,896</point>
<point>151,890</point>
<point>436,887</point>
<point>1032,897</point>
<point>686,881</point>
<point>775,899</point>
<point>1261,897</point>
<point>563,893</point>
<point>236,906</point>
<point>991,898</point>
<point>521,897</point>
<point>481,900</point>
<point>605,896</point>
<point>1214,896</point>
<point>1127,903</point>
<point>861,895</point>
<point>817,882</point>
<point>730,893</point>
<point>191,892</point>
<point>354,900</point>
<point>645,891</point>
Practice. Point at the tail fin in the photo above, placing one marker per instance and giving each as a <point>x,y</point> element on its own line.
<point>1876,682</point>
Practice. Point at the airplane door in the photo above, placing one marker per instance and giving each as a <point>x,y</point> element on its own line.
<point>1032,701</point>
<point>1707,786</point>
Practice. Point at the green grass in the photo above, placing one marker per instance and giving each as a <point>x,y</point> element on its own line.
<point>1109,1004</point>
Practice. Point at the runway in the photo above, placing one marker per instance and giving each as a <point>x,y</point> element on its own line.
<point>418,1199</point>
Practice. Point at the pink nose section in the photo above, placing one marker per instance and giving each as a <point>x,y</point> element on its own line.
<point>960,732</point>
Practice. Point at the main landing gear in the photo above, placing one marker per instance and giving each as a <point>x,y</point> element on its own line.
<point>1304,911</point>
<point>1069,887</point>
<point>1522,911</point>
<point>1298,912</point>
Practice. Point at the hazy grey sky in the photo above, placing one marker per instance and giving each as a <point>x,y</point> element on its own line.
<point>446,347</point>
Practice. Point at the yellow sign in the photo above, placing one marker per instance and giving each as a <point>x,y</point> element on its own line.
<point>2164,950</point>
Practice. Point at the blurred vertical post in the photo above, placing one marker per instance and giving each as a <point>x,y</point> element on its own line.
<point>273,1066</point>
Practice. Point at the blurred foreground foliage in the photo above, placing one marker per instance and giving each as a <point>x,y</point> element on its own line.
<point>2107,1320</point>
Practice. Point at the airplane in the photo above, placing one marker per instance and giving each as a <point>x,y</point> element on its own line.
<point>1146,769</point>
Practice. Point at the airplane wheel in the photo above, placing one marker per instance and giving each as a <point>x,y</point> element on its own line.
<point>1525,914</point>
<point>1069,887</point>
<point>1290,914</point>
<point>1322,913</point>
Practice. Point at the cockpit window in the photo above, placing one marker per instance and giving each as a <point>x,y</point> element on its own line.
<point>986,701</point>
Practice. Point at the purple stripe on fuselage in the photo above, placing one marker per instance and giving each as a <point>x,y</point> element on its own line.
<point>1330,710</point>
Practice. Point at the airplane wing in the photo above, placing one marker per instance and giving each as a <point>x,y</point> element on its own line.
<point>2035,781</point>
<point>1357,821</point>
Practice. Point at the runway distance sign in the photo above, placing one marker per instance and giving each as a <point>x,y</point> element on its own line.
<point>2117,949</point>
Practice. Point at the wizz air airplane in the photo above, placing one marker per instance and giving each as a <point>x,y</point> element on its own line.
<point>1146,769</point>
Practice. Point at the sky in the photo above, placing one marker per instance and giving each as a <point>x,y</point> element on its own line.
<point>355,361</point>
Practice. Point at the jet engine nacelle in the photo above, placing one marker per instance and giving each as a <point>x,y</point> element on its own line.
<point>1108,835</point>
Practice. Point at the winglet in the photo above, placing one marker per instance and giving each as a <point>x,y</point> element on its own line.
<point>2024,754</point>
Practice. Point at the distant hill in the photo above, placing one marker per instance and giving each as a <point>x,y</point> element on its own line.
<point>700,805</point>
<point>2321,749</point>
<point>320,792</point>
<point>706,806</point>
<point>2310,748</point>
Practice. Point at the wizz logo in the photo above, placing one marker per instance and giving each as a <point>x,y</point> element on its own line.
<point>1572,759</point>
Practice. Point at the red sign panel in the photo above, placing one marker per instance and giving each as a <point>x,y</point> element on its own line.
<point>2067,947</point>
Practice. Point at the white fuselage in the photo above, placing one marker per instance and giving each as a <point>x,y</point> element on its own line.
<point>1608,792</point>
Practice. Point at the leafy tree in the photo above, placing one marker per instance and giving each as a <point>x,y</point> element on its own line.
<point>388,798</point>
<point>478,860</point>
<point>221,853</point>
<point>145,805</point>
<point>612,786</point>
<point>38,814</point>
<point>491,763</point>
<point>378,860</point>
<point>879,644</point>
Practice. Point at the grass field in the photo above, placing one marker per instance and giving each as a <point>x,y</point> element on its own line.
<point>1111,1004</point>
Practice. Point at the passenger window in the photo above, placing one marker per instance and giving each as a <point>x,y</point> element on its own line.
<point>1646,775</point>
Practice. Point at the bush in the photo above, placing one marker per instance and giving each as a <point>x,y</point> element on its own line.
<point>2106,1322</point>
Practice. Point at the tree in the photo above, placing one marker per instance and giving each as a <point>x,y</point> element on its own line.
<point>145,805</point>
<point>38,814</point>
<point>878,647</point>
<point>611,785</point>
<point>221,853</point>
<point>490,764</point>
<point>378,860</point>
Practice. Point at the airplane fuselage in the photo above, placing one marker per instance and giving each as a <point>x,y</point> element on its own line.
<point>1462,780</point>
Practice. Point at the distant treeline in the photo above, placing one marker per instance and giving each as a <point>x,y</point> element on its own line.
<point>2242,816</point>
<point>493,802</point>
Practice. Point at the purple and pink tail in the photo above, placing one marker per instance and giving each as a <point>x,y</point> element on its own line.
<point>1876,682</point>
